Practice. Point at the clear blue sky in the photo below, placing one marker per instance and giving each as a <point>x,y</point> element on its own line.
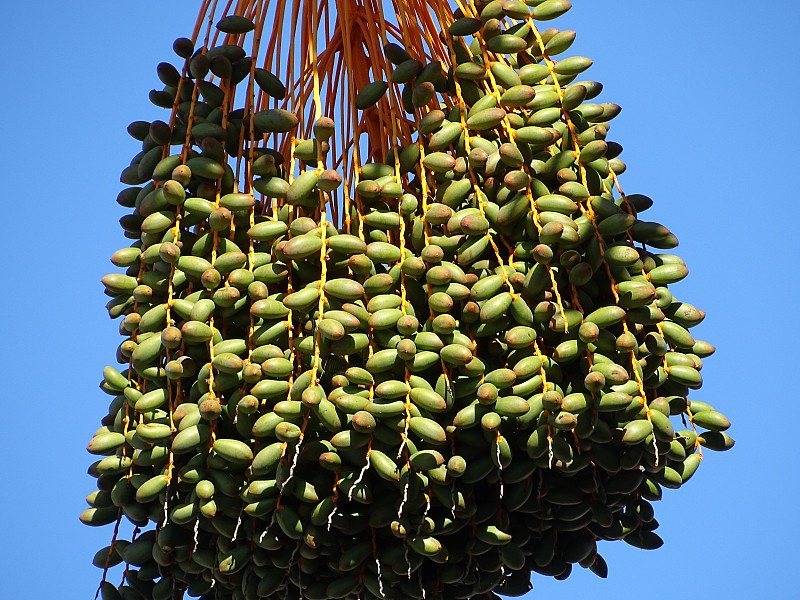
<point>709,93</point>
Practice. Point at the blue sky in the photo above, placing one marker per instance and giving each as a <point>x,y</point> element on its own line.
<point>708,93</point>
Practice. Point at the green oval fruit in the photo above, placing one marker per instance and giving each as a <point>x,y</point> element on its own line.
<point>636,431</point>
<point>370,94</point>
<point>274,120</point>
<point>429,430</point>
<point>152,488</point>
<point>486,119</point>
<point>270,84</point>
<point>456,354</point>
<point>506,43</point>
<point>711,419</point>
<point>667,274</point>
<point>236,24</point>
<point>464,26</point>
<point>517,96</point>
<point>344,289</point>
<point>573,65</point>
<point>190,438</point>
<point>105,442</point>
<point>550,9</point>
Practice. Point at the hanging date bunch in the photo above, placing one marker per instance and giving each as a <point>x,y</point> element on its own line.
<point>392,329</point>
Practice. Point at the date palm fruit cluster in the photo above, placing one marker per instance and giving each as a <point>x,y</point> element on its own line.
<point>421,365</point>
